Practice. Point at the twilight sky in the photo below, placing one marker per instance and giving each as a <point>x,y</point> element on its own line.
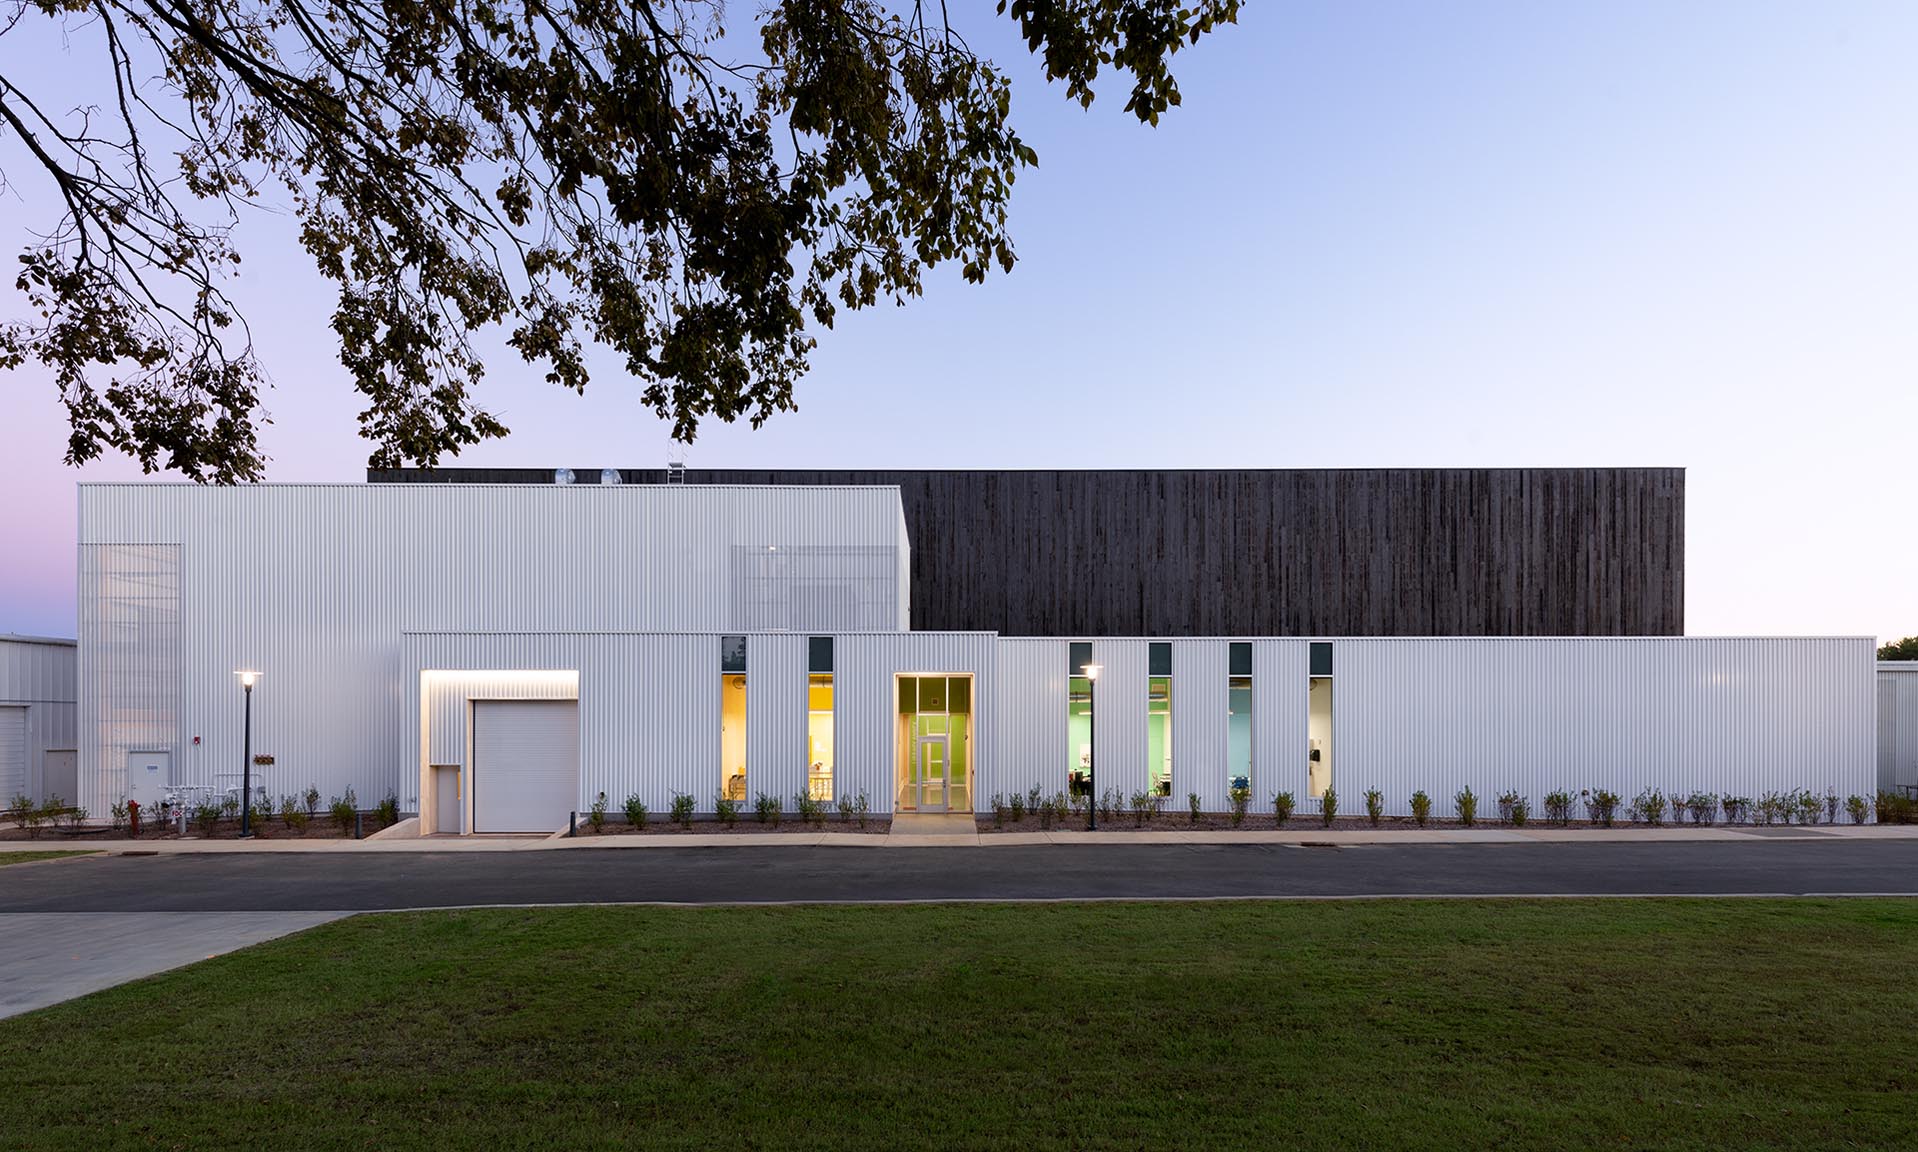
<point>1500,234</point>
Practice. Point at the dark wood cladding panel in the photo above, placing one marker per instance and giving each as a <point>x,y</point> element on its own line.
<point>1334,552</point>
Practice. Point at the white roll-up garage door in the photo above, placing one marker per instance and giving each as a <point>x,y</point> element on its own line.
<point>525,764</point>
<point>13,754</point>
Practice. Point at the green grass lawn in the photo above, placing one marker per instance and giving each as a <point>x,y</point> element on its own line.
<point>7,858</point>
<point>1550,1024</point>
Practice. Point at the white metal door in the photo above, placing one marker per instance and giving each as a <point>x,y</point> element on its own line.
<point>446,798</point>
<point>13,754</point>
<point>525,764</point>
<point>149,775</point>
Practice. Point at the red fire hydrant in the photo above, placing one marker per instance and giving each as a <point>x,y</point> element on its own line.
<point>133,818</point>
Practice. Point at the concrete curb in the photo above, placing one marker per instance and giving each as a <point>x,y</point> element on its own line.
<point>401,841</point>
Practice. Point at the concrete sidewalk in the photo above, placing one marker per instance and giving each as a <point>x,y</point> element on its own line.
<point>1167,833</point>
<point>47,957</point>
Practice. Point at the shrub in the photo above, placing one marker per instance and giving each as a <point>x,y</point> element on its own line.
<point>1328,808</point>
<point>1558,807</point>
<point>1374,806</point>
<point>1648,807</point>
<point>312,799</point>
<point>1831,806</point>
<point>1601,808</point>
<point>1895,808</point>
<point>1241,797</point>
<point>1809,806</point>
<point>767,809</point>
<point>1079,802</point>
<point>1109,803</point>
<point>1858,808</point>
<point>1521,812</point>
<point>1032,799</point>
<point>1703,807</point>
<point>119,814</point>
<point>230,807</point>
<point>682,809</point>
<point>1141,809</point>
<point>1421,808</point>
<point>292,812</point>
<point>807,809</point>
<point>1678,807</point>
<point>860,806</point>
<point>1045,817</point>
<point>998,809</point>
<point>1505,801</point>
<point>1737,809</point>
<point>1018,806</point>
<point>344,808</point>
<point>596,815</point>
<point>1192,801</point>
<point>1282,808</point>
<point>206,814</point>
<point>726,808</point>
<point>1466,802</point>
<point>635,810</point>
<point>21,809</point>
<point>389,807</point>
<point>1771,806</point>
<point>1060,806</point>
<point>844,804</point>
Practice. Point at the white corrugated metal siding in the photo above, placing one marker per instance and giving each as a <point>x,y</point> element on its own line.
<point>314,585</point>
<point>1031,719</point>
<point>1741,716</point>
<point>1279,681</point>
<point>1199,702</point>
<point>1897,723</point>
<point>776,716</point>
<point>1119,717</point>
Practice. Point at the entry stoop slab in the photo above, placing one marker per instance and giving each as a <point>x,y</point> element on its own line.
<point>912,824</point>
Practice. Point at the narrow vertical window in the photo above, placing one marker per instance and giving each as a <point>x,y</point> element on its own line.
<point>819,718</point>
<point>1158,718</point>
<point>1238,737</point>
<point>1318,722</point>
<point>1078,718</point>
<point>732,717</point>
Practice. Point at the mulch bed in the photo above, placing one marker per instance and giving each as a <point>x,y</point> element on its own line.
<point>747,826</point>
<point>1181,821</point>
<point>319,828</point>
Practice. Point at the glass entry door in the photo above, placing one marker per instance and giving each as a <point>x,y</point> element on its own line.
<point>932,772</point>
<point>934,743</point>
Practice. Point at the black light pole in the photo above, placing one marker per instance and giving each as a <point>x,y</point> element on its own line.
<point>1092,753</point>
<point>246,758</point>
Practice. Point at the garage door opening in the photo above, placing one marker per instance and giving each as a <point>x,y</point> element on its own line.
<point>525,764</point>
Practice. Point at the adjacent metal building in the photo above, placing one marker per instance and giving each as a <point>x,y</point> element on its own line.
<point>1898,725</point>
<point>39,735</point>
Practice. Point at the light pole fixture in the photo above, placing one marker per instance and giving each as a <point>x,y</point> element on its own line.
<point>1092,755</point>
<point>247,677</point>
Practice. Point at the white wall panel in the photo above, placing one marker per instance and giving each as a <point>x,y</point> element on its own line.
<point>1280,672</point>
<point>1199,702</point>
<point>1741,716</point>
<point>1897,724</point>
<point>1119,716</point>
<point>776,682</point>
<point>314,585</point>
<point>1031,719</point>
